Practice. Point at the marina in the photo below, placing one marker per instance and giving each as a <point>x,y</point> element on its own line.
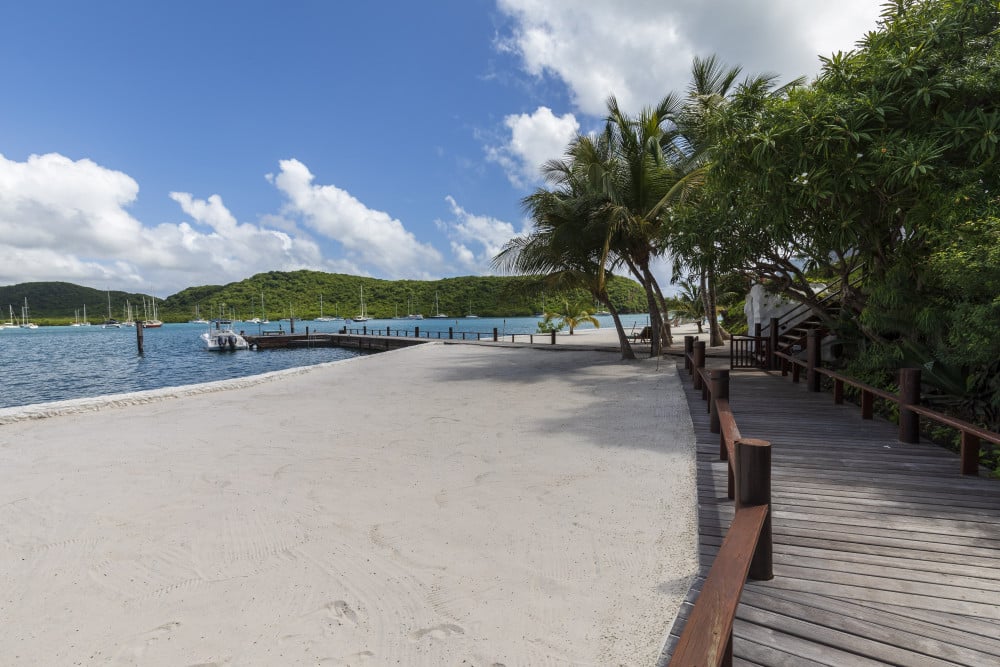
<point>60,363</point>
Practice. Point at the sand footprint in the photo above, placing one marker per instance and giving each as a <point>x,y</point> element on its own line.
<point>438,632</point>
<point>134,650</point>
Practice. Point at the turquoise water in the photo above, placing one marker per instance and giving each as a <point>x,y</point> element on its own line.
<point>58,363</point>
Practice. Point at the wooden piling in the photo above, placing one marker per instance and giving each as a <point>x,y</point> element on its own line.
<point>812,360</point>
<point>753,487</point>
<point>720,389</point>
<point>909,394</point>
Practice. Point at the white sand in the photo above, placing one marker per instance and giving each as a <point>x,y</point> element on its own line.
<point>442,505</point>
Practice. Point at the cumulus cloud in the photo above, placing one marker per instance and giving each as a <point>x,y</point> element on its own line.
<point>369,237</point>
<point>534,139</point>
<point>64,219</point>
<point>641,50</point>
<point>475,239</point>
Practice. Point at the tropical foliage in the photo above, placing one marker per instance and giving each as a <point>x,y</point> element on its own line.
<point>880,175</point>
<point>298,293</point>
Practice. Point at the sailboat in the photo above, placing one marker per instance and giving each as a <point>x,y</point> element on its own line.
<point>111,323</point>
<point>470,315</point>
<point>25,322</point>
<point>198,319</point>
<point>438,315</point>
<point>10,323</point>
<point>410,315</point>
<point>322,317</point>
<point>152,322</point>
<point>363,317</point>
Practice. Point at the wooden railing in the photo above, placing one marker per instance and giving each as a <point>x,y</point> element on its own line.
<point>451,334</point>
<point>908,400</point>
<point>746,551</point>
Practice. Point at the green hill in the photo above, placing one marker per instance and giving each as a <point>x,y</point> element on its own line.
<point>298,293</point>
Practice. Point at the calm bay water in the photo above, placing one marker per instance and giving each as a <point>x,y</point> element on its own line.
<point>58,363</point>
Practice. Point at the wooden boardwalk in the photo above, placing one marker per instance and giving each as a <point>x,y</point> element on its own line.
<point>883,553</point>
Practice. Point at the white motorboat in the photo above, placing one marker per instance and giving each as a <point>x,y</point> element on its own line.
<point>221,337</point>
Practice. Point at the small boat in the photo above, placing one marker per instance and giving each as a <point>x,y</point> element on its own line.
<point>11,324</point>
<point>198,319</point>
<point>363,317</point>
<point>25,321</point>
<point>471,316</point>
<point>111,323</point>
<point>409,308</point>
<point>154,321</point>
<point>222,338</point>
<point>438,315</point>
<point>322,317</point>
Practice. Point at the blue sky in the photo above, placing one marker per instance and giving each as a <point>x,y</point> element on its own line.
<point>157,145</point>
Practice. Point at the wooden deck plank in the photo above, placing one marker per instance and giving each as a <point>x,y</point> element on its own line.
<point>883,552</point>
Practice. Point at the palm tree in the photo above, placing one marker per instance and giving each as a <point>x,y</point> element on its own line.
<point>689,303</point>
<point>567,244</point>
<point>640,177</point>
<point>573,315</point>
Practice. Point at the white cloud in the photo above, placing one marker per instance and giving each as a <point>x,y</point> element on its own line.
<point>484,234</point>
<point>641,50</point>
<point>534,139</point>
<point>370,237</point>
<point>62,219</point>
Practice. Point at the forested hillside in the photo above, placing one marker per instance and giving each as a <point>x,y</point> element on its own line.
<point>298,293</point>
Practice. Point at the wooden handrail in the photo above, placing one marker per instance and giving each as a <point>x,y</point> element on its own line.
<point>747,547</point>
<point>707,636</point>
<point>971,434</point>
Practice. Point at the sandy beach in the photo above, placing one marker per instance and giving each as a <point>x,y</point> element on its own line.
<point>446,504</point>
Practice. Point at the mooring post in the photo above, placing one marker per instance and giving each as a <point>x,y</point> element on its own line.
<point>494,334</point>
<point>364,329</point>
<point>773,343</point>
<point>138,336</point>
<point>451,333</point>
<point>753,487</point>
<point>812,360</point>
<point>909,394</point>
<point>688,350</point>
<point>699,362</point>
<point>291,325</point>
<point>416,332</point>
<point>720,389</point>
<point>553,337</point>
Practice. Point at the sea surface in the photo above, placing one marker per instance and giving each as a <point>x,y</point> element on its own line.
<point>58,363</point>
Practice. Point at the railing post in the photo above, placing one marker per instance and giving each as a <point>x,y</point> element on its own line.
<point>812,360</point>
<point>699,362</point>
<point>553,337</point>
<point>494,334</point>
<point>773,344</point>
<point>688,350</point>
<point>909,394</point>
<point>867,404</point>
<point>416,332</point>
<point>451,333</point>
<point>970,454</point>
<point>720,389</point>
<point>753,487</point>
<point>796,371</point>
<point>364,329</point>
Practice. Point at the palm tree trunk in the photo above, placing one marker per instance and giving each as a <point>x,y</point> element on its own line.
<point>645,278</point>
<point>668,336</point>
<point>626,346</point>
